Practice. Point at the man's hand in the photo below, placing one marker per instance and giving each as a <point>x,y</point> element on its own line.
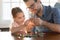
<point>32,22</point>
<point>29,25</point>
<point>37,21</point>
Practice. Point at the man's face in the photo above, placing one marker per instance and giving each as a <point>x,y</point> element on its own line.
<point>19,18</point>
<point>33,6</point>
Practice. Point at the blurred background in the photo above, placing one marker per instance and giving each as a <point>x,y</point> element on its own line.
<point>7,5</point>
<point>6,17</point>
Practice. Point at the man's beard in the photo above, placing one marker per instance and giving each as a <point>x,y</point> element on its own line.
<point>37,14</point>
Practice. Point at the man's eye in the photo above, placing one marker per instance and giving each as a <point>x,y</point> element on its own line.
<point>32,6</point>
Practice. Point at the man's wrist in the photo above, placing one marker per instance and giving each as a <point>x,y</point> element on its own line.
<point>43,23</point>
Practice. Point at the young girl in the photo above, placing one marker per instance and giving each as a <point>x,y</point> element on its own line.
<point>18,26</point>
<point>18,23</point>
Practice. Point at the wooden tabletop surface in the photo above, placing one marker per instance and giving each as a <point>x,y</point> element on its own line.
<point>46,36</point>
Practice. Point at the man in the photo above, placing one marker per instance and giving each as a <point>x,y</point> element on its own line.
<point>47,17</point>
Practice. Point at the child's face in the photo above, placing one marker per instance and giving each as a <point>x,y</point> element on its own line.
<point>19,18</point>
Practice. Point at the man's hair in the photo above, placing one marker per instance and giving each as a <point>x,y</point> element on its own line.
<point>15,11</point>
<point>27,0</point>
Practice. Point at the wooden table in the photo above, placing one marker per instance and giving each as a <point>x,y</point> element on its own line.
<point>47,36</point>
<point>52,36</point>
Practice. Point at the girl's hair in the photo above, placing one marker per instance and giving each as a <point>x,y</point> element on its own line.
<point>15,11</point>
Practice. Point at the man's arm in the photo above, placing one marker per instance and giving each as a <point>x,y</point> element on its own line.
<point>51,26</point>
<point>56,25</point>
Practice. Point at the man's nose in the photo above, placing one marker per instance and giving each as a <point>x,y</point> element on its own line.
<point>35,7</point>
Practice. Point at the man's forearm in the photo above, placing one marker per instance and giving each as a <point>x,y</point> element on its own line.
<point>51,26</point>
